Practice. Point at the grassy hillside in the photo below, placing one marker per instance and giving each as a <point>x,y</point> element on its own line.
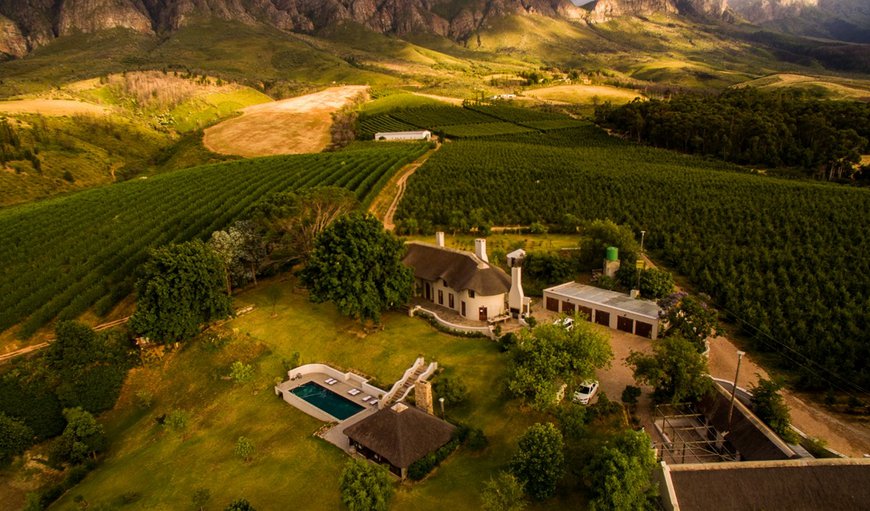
<point>66,255</point>
<point>291,465</point>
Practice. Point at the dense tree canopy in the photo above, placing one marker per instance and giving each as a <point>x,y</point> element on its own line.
<point>676,369</point>
<point>15,438</point>
<point>87,368</point>
<point>82,438</point>
<point>540,461</point>
<point>769,405</point>
<point>182,287</point>
<point>619,476</point>
<point>690,317</point>
<point>503,493</point>
<point>550,354</point>
<point>358,265</point>
<point>748,126</point>
<point>365,486</point>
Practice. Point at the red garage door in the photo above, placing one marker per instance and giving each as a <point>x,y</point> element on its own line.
<point>586,312</point>
<point>625,325</point>
<point>643,329</point>
<point>568,307</point>
<point>602,318</point>
<point>552,304</point>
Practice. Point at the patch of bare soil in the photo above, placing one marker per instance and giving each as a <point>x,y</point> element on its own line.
<point>293,126</point>
<point>51,107</point>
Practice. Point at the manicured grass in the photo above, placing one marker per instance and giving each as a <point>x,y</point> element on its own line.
<point>290,465</point>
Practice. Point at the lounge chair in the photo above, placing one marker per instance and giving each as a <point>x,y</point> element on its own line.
<point>366,398</point>
<point>354,392</point>
<point>330,381</point>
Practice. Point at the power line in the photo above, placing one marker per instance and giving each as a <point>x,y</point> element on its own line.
<point>850,383</point>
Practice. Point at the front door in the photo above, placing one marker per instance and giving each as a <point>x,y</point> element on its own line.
<point>462,306</point>
<point>483,316</point>
<point>428,291</point>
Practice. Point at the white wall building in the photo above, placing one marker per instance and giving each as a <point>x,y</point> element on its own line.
<point>609,308</point>
<point>461,281</point>
<point>393,136</point>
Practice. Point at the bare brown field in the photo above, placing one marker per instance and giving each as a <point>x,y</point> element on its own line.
<point>292,126</point>
<point>51,107</point>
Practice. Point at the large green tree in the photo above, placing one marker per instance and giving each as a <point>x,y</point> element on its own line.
<point>690,317</point>
<point>770,407</point>
<point>87,368</point>
<point>548,354</point>
<point>365,486</point>
<point>540,462</point>
<point>676,369</point>
<point>15,438</point>
<point>503,493</point>
<point>181,288</point>
<point>358,265</point>
<point>82,438</point>
<point>619,475</point>
<point>600,234</point>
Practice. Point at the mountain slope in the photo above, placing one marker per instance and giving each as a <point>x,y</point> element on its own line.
<point>33,23</point>
<point>844,20</point>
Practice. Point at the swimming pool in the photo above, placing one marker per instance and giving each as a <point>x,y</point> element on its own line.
<point>327,400</point>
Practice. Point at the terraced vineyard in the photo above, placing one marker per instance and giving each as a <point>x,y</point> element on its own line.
<point>63,256</point>
<point>782,258</point>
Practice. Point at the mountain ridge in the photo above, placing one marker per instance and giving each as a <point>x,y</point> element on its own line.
<point>29,24</point>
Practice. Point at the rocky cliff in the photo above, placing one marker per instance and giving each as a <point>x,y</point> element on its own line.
<point>26,24</point>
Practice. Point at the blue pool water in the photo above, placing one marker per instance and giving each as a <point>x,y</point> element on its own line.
<point>327,400</point>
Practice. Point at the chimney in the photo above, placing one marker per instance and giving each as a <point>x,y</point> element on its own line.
<point>516,297</point>
<point>480,249</point>
<point>423,397</point>
<point>439,238</point>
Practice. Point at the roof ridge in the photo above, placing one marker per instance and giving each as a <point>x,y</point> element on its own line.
<point>481,264</point>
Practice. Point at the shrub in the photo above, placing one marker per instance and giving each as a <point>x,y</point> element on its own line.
<point>241,372</point>
<point>453,390</point>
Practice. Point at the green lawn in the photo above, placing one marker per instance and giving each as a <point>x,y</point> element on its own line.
<point>291,466</point>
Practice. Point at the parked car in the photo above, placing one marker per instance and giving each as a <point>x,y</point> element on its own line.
<point>568,323</point>
<point>585,392</point>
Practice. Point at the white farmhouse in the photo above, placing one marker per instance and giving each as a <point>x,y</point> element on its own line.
<point>461,281</point>
<point>393,136</point>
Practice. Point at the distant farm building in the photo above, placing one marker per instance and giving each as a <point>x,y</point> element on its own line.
<point>393,136</point>
<point>461,281</point>
<point>609,308</point>
<point>398,436</point>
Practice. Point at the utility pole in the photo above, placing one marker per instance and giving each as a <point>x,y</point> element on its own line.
<point>734,387</point>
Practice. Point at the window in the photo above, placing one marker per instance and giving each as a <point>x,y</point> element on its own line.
<point>450,300</point>
<point>471,293</point>
<point>440,297</point>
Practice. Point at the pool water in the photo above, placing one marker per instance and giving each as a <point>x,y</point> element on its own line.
<point>327,400</point>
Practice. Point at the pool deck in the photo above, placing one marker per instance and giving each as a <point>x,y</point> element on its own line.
<point>341,388</point>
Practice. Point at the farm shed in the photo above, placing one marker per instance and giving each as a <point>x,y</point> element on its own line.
<point>389,136</point>
<point>609,308</point>
<point>399,436</point>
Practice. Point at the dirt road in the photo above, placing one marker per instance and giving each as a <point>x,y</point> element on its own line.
<point>292,126</point>
<point>397,190</point>
<point>849,438</point>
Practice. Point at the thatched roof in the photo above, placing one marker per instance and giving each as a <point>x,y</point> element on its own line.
<point>746,433</point>
<point>461,270</point>
<point>795,485</point>
<point>401,437</point>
